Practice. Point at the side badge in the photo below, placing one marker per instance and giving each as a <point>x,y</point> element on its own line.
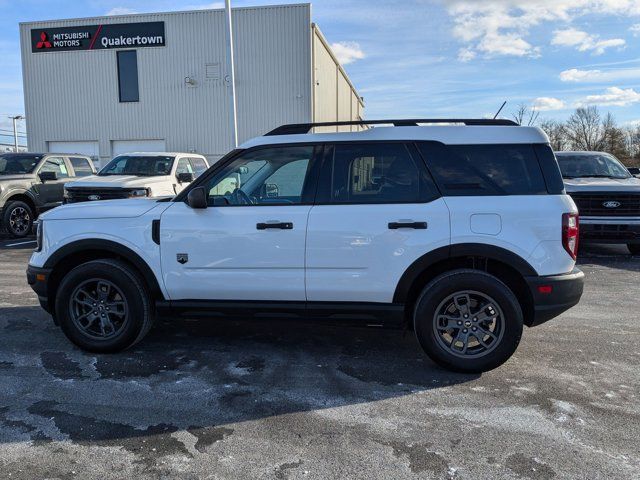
<point>182,258</point>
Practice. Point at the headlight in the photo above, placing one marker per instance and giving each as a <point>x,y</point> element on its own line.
<point>139,192</point>
<point>39,235</point>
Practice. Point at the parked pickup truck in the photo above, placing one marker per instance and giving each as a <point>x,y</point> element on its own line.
<point>31,183</point>
<point>135,175</point>
<point>607,196</point>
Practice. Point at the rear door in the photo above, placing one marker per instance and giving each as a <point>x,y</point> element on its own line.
<point>377,211</point>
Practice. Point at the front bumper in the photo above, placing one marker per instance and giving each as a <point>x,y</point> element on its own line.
<point>555,294</point>
<point>38,279</point>
<point>610,230</point>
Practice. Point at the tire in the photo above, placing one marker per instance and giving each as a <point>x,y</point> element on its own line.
<point>127,306</point>
<point>446,346</point>
<point>634,248</point>
<point>18,219</point>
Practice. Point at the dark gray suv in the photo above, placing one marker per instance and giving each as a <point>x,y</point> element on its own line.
<point>31,183</point>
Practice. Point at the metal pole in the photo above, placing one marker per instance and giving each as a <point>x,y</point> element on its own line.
<point>15,134</point>
<point>231,77</point>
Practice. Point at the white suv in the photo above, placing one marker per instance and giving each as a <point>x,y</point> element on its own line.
<point>134,175</point>
<point>462,232</point>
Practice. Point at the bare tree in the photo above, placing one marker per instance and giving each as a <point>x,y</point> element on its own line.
<point>614,138</point>
<point>584,129</point>
<point>525,115</point>
<point>556,133</point>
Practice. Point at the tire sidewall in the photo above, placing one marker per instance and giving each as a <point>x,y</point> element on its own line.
<point>448,284</point>
<point>127,282</point>
<point>12,205</point>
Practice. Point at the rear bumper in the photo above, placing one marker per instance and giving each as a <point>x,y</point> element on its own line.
<point>553,295</point>
<point>610,229</point>
<point>38,280</point>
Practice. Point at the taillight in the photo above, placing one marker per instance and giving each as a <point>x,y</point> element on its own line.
<point>570,233</point>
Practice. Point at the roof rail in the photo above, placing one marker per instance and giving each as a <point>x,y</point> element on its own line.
<point>302,128</point>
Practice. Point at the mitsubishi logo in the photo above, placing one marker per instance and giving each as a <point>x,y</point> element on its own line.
<point>44,41</point>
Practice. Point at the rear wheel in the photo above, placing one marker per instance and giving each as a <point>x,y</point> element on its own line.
<point>104,306</point>
<point>18,219</point>
<point>468,321</point>
<point>634,248</point>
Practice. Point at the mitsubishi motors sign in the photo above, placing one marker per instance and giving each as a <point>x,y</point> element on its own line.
<point>98,37</point>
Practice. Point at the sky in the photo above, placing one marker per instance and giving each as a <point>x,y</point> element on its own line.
<point>429,58</point>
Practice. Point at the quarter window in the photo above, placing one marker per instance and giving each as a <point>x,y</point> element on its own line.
<point>81,166</point>
<point>57,165</point>
<point>481,170</point>
<point>377,173</point>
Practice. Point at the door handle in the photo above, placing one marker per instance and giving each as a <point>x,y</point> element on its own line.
<point>280,225</point>
<point>414,225</point>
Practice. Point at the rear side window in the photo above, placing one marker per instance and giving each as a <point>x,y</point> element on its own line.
<point>550,169</point>
<point>81,166</point>
<point>365,173</point>
<point>481,170</point>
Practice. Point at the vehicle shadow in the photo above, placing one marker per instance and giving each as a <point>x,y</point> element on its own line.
<point>614,256</point>
<point>199,376</point>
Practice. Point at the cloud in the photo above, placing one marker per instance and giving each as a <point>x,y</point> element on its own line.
<point>613,96</point>
<point>466,54</point>
<point>635,29</point>
<point>120,11</point>
<point>484,25</point>
<point>347,52</point>
<point>546,104</point>
<point>598,76</point>
<point>204,6</point>
<point>584,42</point>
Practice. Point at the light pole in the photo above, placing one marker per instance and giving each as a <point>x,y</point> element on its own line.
<point>231,77</point>
<point>15,130</point>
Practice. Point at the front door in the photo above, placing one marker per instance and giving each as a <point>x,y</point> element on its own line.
<point>52,191</point>
<point>249,244</point>
<point>377,212</point>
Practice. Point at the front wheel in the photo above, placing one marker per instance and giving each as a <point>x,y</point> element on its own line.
<point>634,248</point>
<point>104,306</point>
<point>468,321</point>
<point>18,219</point>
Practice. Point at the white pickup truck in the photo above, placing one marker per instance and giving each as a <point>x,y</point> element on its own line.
<point>135,175</point>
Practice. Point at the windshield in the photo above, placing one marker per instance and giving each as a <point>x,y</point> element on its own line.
<point>12,164</point>
<point>594,166</point>
<point>140,166</point>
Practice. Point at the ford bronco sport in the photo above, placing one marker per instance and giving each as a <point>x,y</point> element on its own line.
<point>607,196</point>
<point>31,183</point>
<point>461,232</point>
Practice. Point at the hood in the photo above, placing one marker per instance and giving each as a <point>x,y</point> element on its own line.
<point>13,178</point>
<point>117,181</point>
<point>127,208</point>
<point>587,184</point>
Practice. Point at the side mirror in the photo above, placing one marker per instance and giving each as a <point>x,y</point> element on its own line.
<point>186,177</point>
<point>48,176</point>
<point>634,171</point>
<point>197,198</point>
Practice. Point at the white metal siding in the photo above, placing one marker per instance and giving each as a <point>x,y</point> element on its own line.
<point>74,95</point>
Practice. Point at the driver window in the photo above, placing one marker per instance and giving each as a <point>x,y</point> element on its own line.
<point>57,165</point>
<point>268,176</point>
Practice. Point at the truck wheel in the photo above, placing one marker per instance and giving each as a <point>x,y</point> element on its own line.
<point>104,306</point>
<point>18,219</point>
<point>634,248</point>
<point>468,321</point>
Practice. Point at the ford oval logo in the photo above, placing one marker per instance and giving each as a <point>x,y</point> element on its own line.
<point>611,204</point>
<point>94,197</point>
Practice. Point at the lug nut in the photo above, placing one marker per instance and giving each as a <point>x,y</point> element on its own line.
<point>464,330</point>
<point>459,322</point>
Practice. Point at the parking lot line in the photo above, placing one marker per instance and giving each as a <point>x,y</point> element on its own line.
<point>20,243</point>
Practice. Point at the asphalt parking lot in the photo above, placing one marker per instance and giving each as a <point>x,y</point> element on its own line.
<point>201,399</point>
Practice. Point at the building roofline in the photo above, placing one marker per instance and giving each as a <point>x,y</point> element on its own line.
<point>173,12</point>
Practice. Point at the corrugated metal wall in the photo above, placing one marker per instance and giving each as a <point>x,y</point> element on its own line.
<point>73,96</point>
<point>335,97</point>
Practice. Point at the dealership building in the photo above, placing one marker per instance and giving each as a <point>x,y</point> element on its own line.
<point>160,82</point>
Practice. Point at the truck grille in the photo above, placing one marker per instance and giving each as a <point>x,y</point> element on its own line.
<point>75,195</point>
<point>619,204</point>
